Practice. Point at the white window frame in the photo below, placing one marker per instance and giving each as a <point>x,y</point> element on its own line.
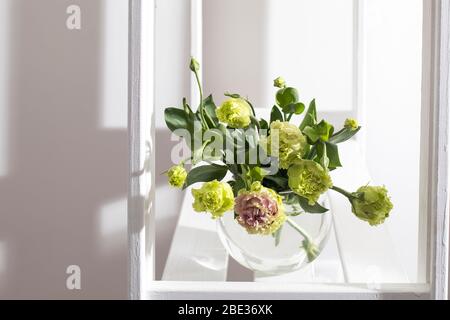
<point>141,178</point>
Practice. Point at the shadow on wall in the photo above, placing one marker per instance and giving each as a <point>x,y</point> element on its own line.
<point>60,200</point>
<point>168,201</point>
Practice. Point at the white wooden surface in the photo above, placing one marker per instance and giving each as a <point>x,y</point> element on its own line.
<point>141,144</point>
<point>196,253</point>
<point>274,291</point>
<point>136,239</point>
<point>439,233</point>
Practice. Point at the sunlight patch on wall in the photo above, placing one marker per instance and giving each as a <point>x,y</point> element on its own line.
<point>114,104</point>
<point>112,227</point>
<point>4,87</point>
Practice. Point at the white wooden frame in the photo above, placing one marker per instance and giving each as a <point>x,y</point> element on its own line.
<point>140,214</point>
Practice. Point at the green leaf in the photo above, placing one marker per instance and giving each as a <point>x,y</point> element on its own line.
<point>324,130</point>
<point>316,208</point>
<point>312,134</point>
<point>232,95</point>
<point>205,174</point>
<point>296,108</point>
<point>256,174</point>
<point>310,118</point>
<point>333,155</point>
<point>280,182</point>
<point>263,124</point>
<point>323,156</point>
<point>294,198</point>
<point>295,214</point>
<point>210,108</point>
<point>287,96</point>
<point>276,114</point>
<point>343,135</point>
<point>277,236</point>
<point>176,119</point>
<point>237,185</point>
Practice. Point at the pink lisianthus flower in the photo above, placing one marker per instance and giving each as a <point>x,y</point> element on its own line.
<point>260,210</point>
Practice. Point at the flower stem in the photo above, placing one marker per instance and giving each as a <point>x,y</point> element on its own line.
<point>290,117</point>
<point>251,107</point>
<point>343,192</point>
<point>299,229</point>
<point>202,111</point>
<point>312,250</point>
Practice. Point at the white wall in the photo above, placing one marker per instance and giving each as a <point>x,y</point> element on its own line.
<point>247,44</point>
<point>63,191</point>
<point>311,44</point>
<point>392,85</point>
<point>235,50</point>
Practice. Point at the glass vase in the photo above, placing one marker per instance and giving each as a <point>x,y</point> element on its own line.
<point>263,254</point>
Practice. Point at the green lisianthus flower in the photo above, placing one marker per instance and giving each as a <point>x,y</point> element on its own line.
<point>291,143</point>
<point>177,176</point>
<point>351,124</point>
<point>371,204</point>
<point>235,112</point>
<point>309,180</point>
<point>214,197</point>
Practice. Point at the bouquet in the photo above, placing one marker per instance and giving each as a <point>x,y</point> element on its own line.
<point>254,168</point>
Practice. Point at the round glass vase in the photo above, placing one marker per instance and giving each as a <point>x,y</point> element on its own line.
<point>261,252</point>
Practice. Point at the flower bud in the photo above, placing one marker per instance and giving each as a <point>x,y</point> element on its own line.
<point>279,83</point>
<point>194,65</point>
<point>177,176</point>
<point>351,124</point>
